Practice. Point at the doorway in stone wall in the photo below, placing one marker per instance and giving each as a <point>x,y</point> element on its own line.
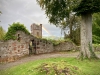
<point>32,47</point>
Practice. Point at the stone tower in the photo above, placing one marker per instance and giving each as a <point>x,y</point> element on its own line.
<point>36,30</point>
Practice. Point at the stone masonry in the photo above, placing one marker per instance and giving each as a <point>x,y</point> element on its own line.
<point>68,45</point>
<point>36,30</point>
<point>12,50</point>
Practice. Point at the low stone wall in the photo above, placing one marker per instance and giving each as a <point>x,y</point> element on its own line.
<point>44,47</point>
<point>65,46</point>
<point>13,49</point>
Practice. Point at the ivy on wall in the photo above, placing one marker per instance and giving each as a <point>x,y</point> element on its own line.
<point>13,29</point>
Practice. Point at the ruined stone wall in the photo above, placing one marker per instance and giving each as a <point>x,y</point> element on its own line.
<point>14,49</point>
<point>65,46</point>
<point>44,46</point>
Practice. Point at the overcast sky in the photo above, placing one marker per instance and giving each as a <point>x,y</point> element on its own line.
<point>25,12</point>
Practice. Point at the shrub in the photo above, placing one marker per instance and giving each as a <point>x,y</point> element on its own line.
<point>13,29</point>
<point>96,39</point>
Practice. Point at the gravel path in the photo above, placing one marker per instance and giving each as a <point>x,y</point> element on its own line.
<point>36,57</point>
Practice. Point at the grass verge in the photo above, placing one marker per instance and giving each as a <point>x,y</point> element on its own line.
<point>56,66</point>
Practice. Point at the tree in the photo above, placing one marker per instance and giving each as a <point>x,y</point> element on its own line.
<point>86,8</point>
<point>59,13</point>
<point>2,33</point>
<point>56,11</point>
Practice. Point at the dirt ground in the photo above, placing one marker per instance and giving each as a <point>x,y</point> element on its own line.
<point>37,57</point>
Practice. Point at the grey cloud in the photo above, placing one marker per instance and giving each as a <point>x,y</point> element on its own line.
<point>26,12</point>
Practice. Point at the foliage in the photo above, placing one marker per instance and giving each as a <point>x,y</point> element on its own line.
<point>0,12</point>
<point>13,29</point>
<point>57,10</point>
<point>57,68</point>
<point>96,39</point>
<point>54,9</point>
<point>58,41</point>
<point>2,33</point>
<point>60,13</point>
<point>96,24</point>
<point>96,28</point>
<point>87,6</point>
<point>75,35</point>
<point>55,42</point>
<point>85,67</point>
<point>96,45</point>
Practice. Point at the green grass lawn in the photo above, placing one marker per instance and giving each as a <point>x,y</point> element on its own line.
<point>52,66</point>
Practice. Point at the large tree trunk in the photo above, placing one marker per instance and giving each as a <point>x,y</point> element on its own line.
<point>86,37</point>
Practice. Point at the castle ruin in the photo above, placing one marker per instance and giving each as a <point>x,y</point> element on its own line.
<point>12,50</point>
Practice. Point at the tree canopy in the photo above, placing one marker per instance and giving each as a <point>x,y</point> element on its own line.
<point>87,6</point>
<point>57,11</point>
<point>60,13</point>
